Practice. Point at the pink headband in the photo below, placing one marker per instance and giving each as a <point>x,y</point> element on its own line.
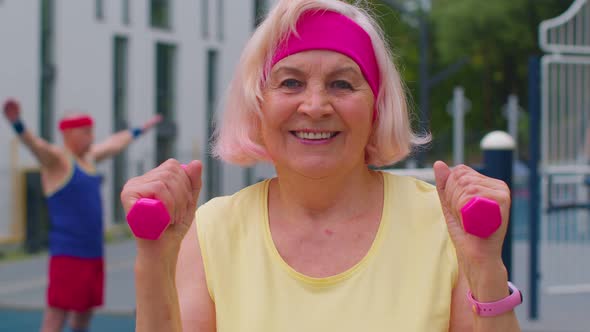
<point>77,122</point>
<point>328,30</point>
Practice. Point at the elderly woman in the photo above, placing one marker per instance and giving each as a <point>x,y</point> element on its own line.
<point>329,244</point>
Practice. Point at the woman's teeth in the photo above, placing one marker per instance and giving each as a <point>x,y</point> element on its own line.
<point>309,135</point>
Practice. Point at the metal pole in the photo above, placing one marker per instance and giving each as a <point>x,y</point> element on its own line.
<point>424,80</point>
<point>512,115</point>
<point>458,125</point>
<point>47,70</point>
<point>498,155</point>
<point>534,182</point>
<point>249,175</point>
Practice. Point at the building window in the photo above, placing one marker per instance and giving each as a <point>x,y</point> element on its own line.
<point>126,10</point>
<point>120,116</point>
<point>213,166</point>
<point>165,101</point>
<point>220,17</point>
<point>99,9</point>
<point>205,18</point>
<point>260,7</point>
<point>160,14</point>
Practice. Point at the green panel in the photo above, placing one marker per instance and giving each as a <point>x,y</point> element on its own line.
<point>260,8</point>
<point>165,101</point>
<point>120,118</point>
<point>126,12</point>
<point>160,13</point>
<point>205,18</point>
<point>213,165</point>
<point>47,76</point>
<point>99,9</point>
<point>37,216</point>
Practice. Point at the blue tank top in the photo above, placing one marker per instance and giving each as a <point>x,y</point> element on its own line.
<point>75,213</point>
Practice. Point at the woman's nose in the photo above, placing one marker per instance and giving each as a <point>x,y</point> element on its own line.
<point>317,102</point>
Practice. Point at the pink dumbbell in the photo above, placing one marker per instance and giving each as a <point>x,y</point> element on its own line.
<point>481,217</point>
<point>148,218</point>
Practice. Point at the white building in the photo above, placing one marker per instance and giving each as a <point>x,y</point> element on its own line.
<point>121,61</point>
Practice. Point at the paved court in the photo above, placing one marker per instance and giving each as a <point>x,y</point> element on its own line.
<point>22,287</point>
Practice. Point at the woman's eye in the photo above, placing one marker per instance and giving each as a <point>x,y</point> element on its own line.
<point>291,83</point>
<point>342,85</point>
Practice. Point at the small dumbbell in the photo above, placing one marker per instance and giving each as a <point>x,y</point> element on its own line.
<point>148,218</point>
<point>481,217</point>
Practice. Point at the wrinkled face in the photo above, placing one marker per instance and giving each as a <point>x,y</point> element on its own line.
<point>79,140</point>
<point>316,114</point>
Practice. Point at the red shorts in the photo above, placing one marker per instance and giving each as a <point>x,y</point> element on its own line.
<point>75,284</point>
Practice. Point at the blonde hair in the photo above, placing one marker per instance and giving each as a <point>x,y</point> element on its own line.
<point>238,138</point>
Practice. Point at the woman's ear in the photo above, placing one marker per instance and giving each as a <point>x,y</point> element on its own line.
<point>258,120</point>
<point>259,102</point>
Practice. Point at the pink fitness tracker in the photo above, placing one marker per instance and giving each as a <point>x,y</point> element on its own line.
<point>491,309</point>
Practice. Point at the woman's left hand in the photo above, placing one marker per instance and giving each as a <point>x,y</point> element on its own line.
<point>477,256</point>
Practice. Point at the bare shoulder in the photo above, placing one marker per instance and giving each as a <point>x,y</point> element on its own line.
<point>60,155</point>
<point>56,173</point>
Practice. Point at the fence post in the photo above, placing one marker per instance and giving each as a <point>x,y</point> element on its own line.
<point>498,155</point>
<point>534,106</point>
<point>457,109</point>
<point>512,113</point>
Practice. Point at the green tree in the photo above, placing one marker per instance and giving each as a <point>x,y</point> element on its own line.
<point>497,37</point>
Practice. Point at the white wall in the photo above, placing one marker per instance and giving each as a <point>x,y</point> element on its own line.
<point>19,78</point>
<point>84,55</point>
<point>238,27</point>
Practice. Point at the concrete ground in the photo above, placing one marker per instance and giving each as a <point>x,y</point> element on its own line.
<point>561,309</point>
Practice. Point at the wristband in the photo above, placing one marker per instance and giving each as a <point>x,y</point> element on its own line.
<point>18,126</point>
<point>136,132</point>
<point>491,309</point>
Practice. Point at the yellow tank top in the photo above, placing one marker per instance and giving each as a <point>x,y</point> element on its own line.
<point>404,282</point>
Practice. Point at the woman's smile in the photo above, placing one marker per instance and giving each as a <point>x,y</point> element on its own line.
<point>315,137</point>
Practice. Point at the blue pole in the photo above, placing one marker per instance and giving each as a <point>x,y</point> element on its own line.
<point>534,183</point>
<point>498,157</point>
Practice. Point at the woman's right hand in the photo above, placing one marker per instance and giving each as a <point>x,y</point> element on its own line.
<point>11,110</point>
<point>178,189</point>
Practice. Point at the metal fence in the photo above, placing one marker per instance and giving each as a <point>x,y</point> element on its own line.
<point>563,166</point>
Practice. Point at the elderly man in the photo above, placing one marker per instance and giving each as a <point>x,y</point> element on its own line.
<point>72,189</point>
